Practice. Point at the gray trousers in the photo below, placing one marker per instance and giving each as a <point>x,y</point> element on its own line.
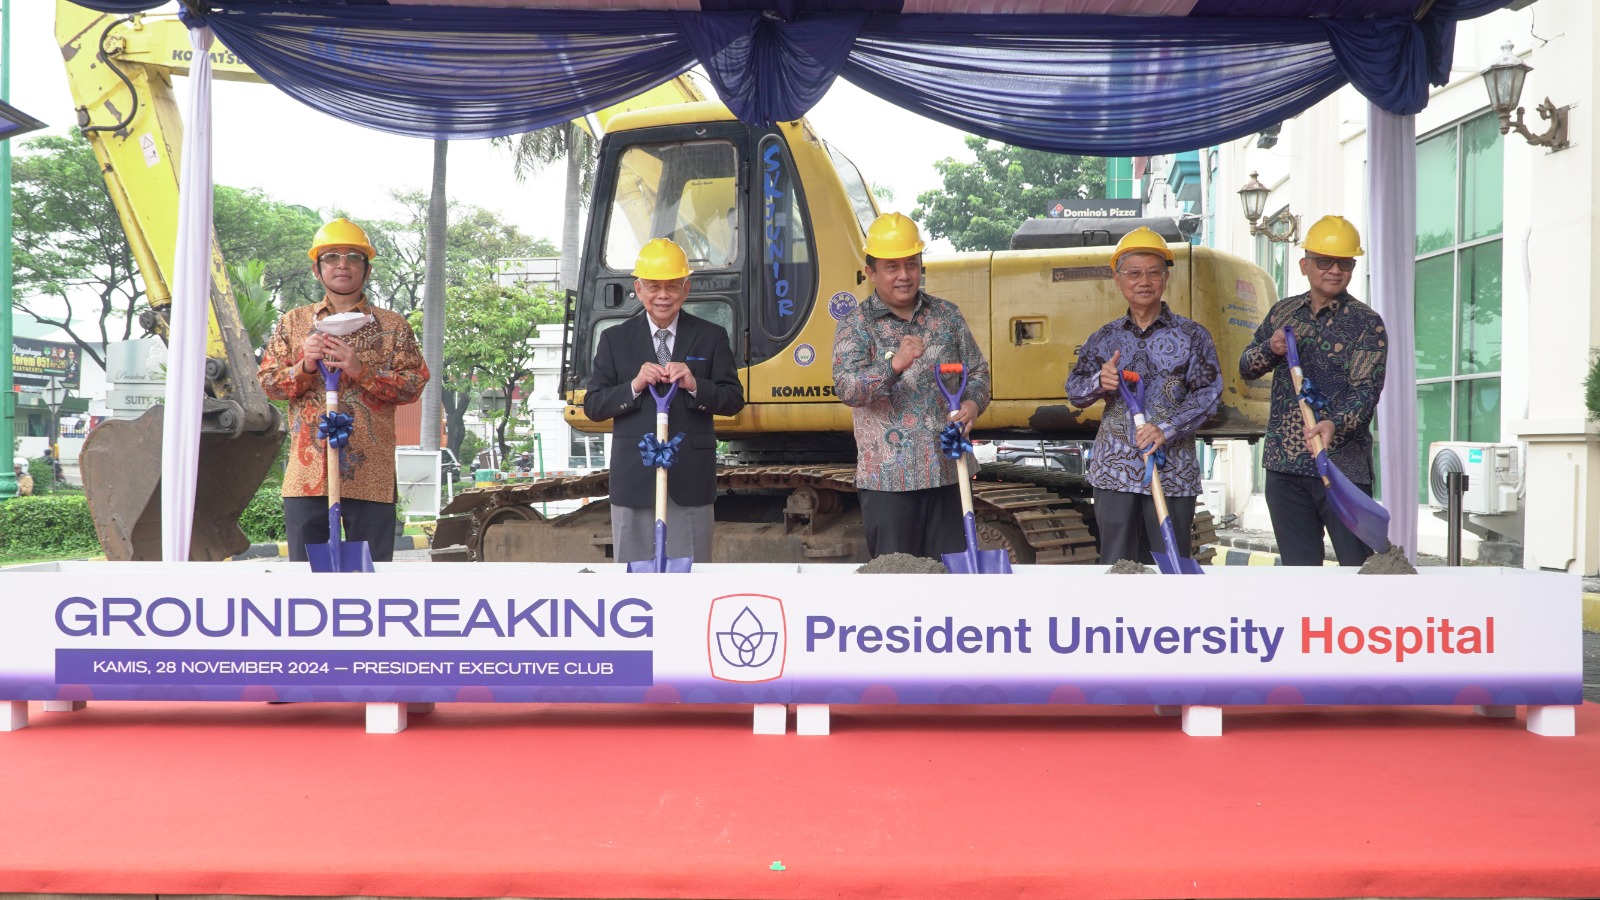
<point>689,528</point>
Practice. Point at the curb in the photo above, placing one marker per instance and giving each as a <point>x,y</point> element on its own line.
<point>280,550</point>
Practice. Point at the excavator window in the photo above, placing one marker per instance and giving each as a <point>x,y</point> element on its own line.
<point>786,274</point>
<point>855,187</point>
<point>682,190</point>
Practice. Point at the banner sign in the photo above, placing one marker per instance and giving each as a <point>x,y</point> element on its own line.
<point>774,634</point>
<point>1102,209</point>
<point>34,363</point>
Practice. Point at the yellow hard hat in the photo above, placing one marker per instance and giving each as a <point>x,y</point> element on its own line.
<point>1333,236</point>
<point>893,236</point>
<point>1141,240</point>
<point>661,260</point>
<point>340,233</point>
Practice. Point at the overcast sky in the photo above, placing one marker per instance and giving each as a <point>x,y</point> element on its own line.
<point>264,138</point>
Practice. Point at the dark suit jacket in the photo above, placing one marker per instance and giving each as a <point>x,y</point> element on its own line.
<point>703,345</point>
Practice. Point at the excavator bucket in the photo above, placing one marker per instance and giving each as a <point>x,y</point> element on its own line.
<point>121,466</point>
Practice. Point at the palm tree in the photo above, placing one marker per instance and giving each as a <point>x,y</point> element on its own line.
<point>533,150</point>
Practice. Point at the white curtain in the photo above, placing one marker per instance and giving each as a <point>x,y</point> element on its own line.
<point>191,299</point>
<point>1391,249</point>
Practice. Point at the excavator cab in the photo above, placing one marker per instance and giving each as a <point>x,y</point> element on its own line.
<point>120,71</point>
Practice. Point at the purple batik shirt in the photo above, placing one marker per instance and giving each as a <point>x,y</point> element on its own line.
<point>1177,361</point>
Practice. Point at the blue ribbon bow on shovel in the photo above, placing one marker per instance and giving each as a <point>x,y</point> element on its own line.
<point>659,453</point>
<point>335,428</point>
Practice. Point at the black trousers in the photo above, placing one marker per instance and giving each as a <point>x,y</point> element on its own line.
<point>1300,511</point>
<point>1129,526</point>
<point>305,521</point>
<point>924,523</point>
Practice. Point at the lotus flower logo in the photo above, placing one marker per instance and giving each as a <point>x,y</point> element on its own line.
<point>746,638</point>
<point>747,643</point>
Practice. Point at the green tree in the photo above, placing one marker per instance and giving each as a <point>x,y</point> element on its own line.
<point>257,310</point>
<point>488,334</point>
<point>475,240</point>
<point>252,226</point>
<point>983,202</point>
<point>70,256</point>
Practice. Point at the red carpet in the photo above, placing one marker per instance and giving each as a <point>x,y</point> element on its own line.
<point>682,801</point>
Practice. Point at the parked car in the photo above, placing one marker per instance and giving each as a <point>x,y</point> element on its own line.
<point>1070,457</point>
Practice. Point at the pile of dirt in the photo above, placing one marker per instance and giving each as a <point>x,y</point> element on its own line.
<point>1130,567</point>
<point>1390,562</point>
<point>903,564</point>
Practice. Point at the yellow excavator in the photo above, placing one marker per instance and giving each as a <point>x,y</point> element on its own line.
<point>120,71</point>
<point>773,220</point>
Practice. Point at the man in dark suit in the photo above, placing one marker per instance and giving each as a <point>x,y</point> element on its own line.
<point>663,346</point>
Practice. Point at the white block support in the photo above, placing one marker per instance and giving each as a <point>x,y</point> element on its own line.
<point>1164,710</point>
<point>386,718</point>
<point>1553,721</point>
<point>771,718</point>
<point>64,705</point>
<point>13,715</point>
<point>419,709</point>
<point>1202,721</point>
<point>1495,711</point>
<point>812,719</point>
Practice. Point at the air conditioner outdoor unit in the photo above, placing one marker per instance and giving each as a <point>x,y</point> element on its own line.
<point>1492,476</point>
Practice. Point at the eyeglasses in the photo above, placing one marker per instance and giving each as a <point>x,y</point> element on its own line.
<point>353,257</point>
<point>1324,263</point>
<point>1139,275</point>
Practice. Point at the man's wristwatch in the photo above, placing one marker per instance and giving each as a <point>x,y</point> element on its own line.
<point>888,355</point>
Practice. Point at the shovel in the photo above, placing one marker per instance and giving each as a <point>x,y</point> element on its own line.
<point>659,454</point>
<point>1169,560</point>
<point>1365,517</point>
<point>970,560</point>
<point>336,555</point>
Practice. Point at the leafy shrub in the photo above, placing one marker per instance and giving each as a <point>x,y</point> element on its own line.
<point>262,520</point>
<point>53,525</point>
<point>470,445</point>
<point>43,473</point>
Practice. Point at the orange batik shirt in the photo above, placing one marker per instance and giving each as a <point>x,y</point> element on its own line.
<point>392,374</point>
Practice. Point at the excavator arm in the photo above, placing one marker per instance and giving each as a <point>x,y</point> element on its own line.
<point>120,72</point>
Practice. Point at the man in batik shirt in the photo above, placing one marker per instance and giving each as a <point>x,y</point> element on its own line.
<point>380,368</point>
<point>886,358</point>
<point>1177,362</point>
<point>1343,350</point>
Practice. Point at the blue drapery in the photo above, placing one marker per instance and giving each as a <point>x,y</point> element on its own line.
<point>1104,85</point>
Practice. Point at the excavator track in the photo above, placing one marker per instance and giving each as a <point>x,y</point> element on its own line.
<point>1019,508</point>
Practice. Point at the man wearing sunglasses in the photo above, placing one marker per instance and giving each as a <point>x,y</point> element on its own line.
<point>1343,350</point>
<point>380,368</point>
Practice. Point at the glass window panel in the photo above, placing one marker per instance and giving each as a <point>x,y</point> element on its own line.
<point>855,187</point>
<point>1435,311</point>
<point>1482,177</point>
<point>1436,192</point>
<point>1478,410</point>
<point>1433,424</point>
<point>680,191</point>
<point>1478,332</point>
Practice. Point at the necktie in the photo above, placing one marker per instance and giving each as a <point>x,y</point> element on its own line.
<point>663,355</point>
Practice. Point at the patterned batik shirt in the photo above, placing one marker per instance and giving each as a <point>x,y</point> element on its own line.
<point>1177,361</point>
<point>392,374</point>
<point>898,418</point>
<point>1343,350</point>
